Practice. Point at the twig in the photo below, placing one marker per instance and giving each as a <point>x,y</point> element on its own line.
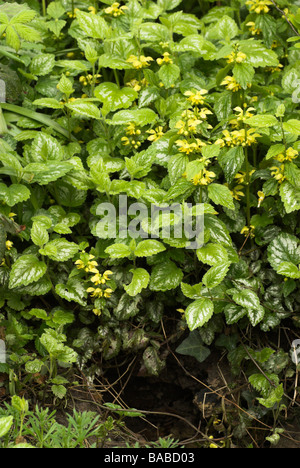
<point>284,14</point>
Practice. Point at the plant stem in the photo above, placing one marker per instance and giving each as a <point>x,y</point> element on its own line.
<point>44,7</point>
<point>248,185</point>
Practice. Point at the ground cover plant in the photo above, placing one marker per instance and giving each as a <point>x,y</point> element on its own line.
<point>110,109</point>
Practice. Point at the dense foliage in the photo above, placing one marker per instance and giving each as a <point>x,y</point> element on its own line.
<point>167,102</point>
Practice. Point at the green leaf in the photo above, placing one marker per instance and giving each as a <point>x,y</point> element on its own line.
<point>46,173</point>
<point>59,391</point>
<point>231,162</point>
<point>257,54</point>
<point>127,307</point>
<point>73,291</point>
<point>169,74</point>
<point>212,254</point>
<point>275,150</point>
<point>165,276</point>
<point>192,292</point>
<point>65,86</point>
<point>292,126</point>
<point>198,313</point>
<point>118,251</point>
<point>50,103</point>
<point>60,250</point>
<point>193,346</point>
<point>26,270</point>
<point>284,248</point>
<point>115,98</point>
<point>6,423</point>
<point>262,121</point>
<point>244,74</point>
<point>288,269</point>
<point>215,275</point>
<point>177,166</point>
<point>221,195</point>
<point>140,281</point>
<point>42,64</point>
<point>15,193</point>
<point>290,196</point>
<point>150,247</point>
<point>39,234</point>
<point>140,117</point>
<point>246,298</point>
<point>226,28</point>
<point>93,25</point>
<point>46,148</point>
<point>85,109</point>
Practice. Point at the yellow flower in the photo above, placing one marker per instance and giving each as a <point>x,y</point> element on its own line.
<point>134,84</point>
<point>9,245</point>
<point>252,28</point>
<point>132,129</point>
<point>166,59</point>
<point>107,293</point>
<point>95,292</point>
<point>242,176</point>
<point>115,10</point>
<point>236,57</point>
<point>261,198</point>
<point>231,84</point>
<point>289,155</point>
<point>139,62</point>
<point>278,173</point>
<point>196,98</point>
<point>88,266</point>
<point>187,127</point>
<point>186,147</point>
<point>204,177</point>
<point>92,10</point>
<point>155,134</point>
<point>101,279</point>
<point>12,215</point>
<point>71,15</point>
<point>259,6</point>
<point>97,312</point>
<point>248,231</point>
<point>244,114</point>
<point>237,192</point>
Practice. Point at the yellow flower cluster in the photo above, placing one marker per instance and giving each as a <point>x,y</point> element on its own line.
<point>116,10</point>
<point>196,98</point>
<point>88,265</point>
<point>231,84</point>
<point>241,137</point>
<point>9,245</point>
<point>253,29</point>
<point>204,177</point>
<point>132,139</point>
<point>248,231</point>
<point>278,173</point>
<point>259,6</point>
<point>89,79</point>
<point>139,62</point>
<point>137,85</point>
<point>236,57</point>
<point>165,60</point>
<point>289,155</point>
<point>237,192</point>
<point>100,289</point>
<point>156,134</point>
<point>189,148</point>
